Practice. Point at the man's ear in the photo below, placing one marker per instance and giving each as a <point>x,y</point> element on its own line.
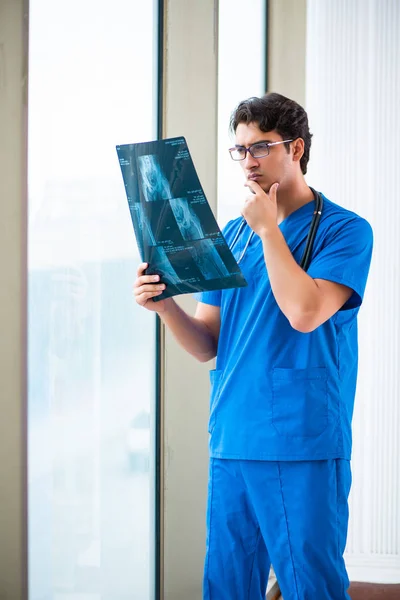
<point>298,149</point>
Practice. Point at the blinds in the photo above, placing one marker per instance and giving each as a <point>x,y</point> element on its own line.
<point>353,102</point>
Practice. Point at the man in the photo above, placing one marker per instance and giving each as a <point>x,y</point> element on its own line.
<point>283,389</point>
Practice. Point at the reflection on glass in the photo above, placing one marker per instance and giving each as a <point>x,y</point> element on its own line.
<point>91,350</point>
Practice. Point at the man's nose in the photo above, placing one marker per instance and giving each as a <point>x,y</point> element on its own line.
<point>250,161</point>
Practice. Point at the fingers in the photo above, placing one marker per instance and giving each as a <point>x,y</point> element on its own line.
<point>273,190</point>
<point>253,186</point>
<point>145,292</point>
<point>141,269</point>
<point>144,279</point>
<point>146,286</point>
<point>143,298</point>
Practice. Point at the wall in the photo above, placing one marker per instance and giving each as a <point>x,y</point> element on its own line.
<point>286,48</point>
<point>190,110</point>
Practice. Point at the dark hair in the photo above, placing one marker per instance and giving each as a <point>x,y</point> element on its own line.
<point>274,112</point>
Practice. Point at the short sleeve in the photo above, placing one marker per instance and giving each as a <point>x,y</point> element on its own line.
<point>213,297</point>
<point>345,258</point>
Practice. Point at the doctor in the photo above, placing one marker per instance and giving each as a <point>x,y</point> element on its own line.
<point>283,389</point>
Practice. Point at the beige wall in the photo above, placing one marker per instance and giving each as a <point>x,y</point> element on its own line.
<point>287,48</point>
<point>13,87</point>
<point>190,98</point>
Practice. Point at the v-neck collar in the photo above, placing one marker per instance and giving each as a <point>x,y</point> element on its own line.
<point>299,211</point>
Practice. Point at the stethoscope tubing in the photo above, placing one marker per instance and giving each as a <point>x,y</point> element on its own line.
<point>242,225</point>
<point>319,203</point>
<point>306,258</point>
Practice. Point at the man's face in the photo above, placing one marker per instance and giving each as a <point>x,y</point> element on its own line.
<point>277,167</point>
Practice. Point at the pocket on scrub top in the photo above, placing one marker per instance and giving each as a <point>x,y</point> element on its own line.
<point>215,379</point>
<point>300,401</point>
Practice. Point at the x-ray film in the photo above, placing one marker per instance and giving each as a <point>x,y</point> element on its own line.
<point>175,229</point>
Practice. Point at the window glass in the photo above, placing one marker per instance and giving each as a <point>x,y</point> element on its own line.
<point>241,74</point>
<point>91,407</point>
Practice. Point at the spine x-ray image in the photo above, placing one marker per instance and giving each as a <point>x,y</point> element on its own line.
<point>175,228</point>
<point>155,185</point>
<point>188,222</point>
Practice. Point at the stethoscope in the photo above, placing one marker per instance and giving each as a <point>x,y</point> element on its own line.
<point>305,261</point>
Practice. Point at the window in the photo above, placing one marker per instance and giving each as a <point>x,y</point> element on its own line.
<point>241,74</point>
<point>92,355</point>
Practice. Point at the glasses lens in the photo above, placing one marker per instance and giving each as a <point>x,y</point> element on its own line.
<point>260,150</point>
<point>238,153</point>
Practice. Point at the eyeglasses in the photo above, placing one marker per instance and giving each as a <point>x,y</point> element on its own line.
<point>258,150</point>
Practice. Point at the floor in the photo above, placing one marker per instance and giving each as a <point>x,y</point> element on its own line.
<point>370,591</point>
<point>374,591</point>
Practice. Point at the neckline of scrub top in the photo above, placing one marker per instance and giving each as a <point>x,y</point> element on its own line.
<point>297,211</point>
<point>254,236</point>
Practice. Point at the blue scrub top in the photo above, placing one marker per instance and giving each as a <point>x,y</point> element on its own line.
<point>276,393</point>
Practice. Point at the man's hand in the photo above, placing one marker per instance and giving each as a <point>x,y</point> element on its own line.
<point>260,209</point>
<point>147,287</point>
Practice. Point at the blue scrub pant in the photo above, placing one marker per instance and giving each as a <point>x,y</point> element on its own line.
<point>291,514</point>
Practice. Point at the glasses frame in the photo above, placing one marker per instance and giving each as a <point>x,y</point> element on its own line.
<point>249,149</point>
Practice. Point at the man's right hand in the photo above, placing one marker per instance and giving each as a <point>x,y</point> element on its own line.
<point>198,335</point>
<point>147,287</point>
